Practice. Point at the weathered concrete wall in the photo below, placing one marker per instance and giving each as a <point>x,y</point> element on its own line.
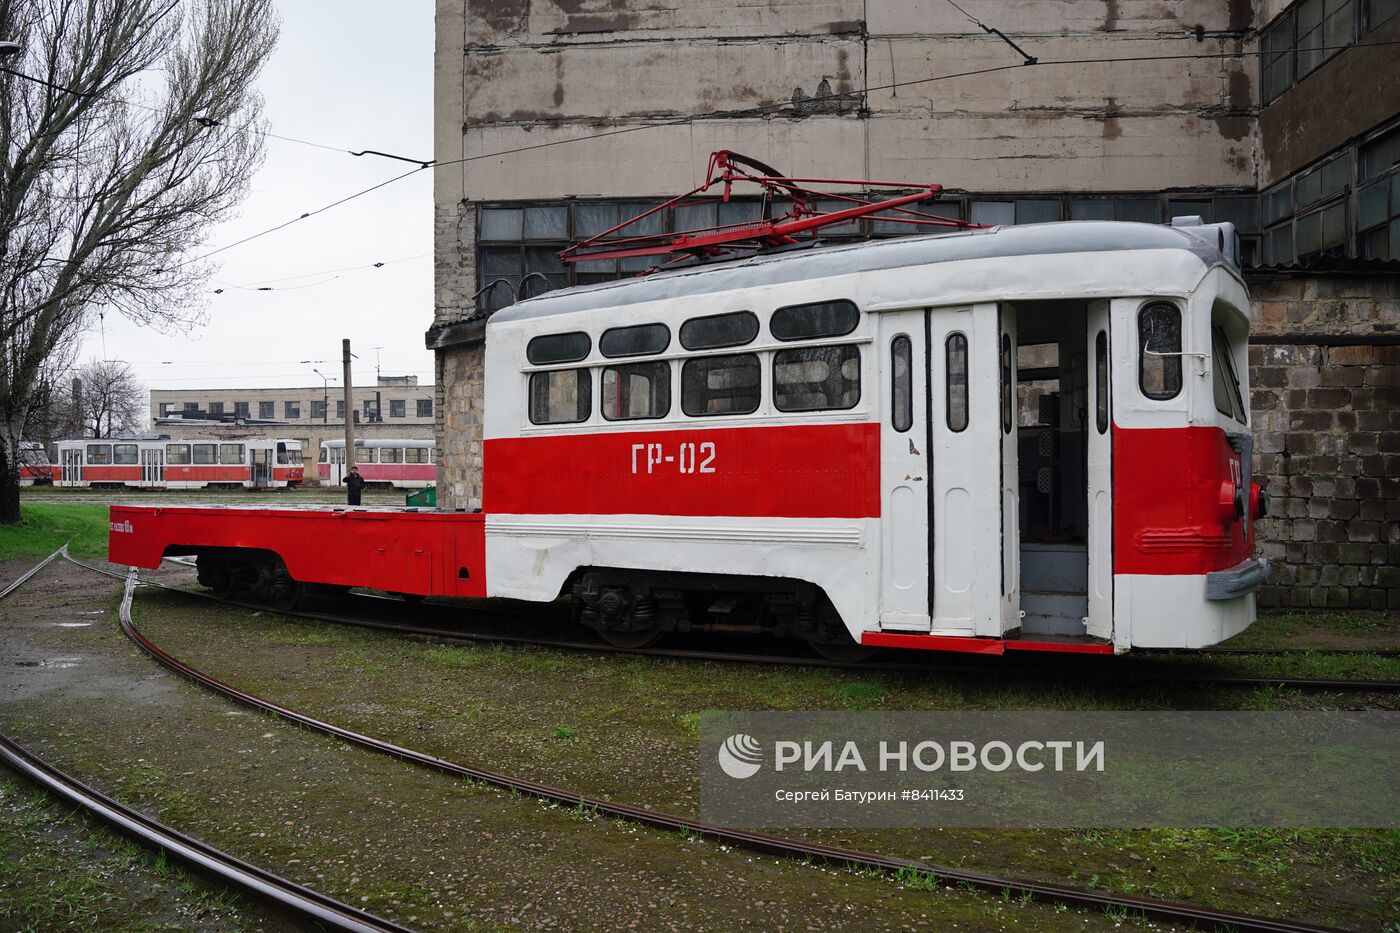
<point>1354,92</point>
<point>1327,428</point>
<point>461,404</point>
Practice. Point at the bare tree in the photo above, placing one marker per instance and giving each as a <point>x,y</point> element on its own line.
<point>112,401</point>
<point>127,128</point>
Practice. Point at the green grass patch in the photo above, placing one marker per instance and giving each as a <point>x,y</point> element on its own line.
<point>44,527</point>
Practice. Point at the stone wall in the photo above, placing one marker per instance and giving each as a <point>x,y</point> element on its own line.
<point>1325,376</point>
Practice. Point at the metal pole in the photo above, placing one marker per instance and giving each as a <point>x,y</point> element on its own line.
<point>349,409</point>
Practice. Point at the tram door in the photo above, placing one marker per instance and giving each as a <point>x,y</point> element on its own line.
<point>966,459</point>
<point>1009,421</point>
<point>260,459</point>
<point>335,457</point>
<point>72,465</point>
<point>1099,471</point>
<point>152,465</point>
<point>904,469</point>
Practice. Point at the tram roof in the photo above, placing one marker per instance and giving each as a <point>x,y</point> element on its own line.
<point>868,256</point>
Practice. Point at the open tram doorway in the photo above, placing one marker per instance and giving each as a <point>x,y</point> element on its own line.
<point>1062,466</point>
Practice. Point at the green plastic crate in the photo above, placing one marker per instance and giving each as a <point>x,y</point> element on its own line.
<point>425,497</point>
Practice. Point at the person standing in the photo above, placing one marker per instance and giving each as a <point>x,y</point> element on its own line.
<point>354,484</point>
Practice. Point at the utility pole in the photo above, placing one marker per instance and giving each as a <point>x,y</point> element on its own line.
<point>349,408</point>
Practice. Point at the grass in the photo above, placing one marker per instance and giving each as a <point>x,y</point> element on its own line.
<point>44,527</point>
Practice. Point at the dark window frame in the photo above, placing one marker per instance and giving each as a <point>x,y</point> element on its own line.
<point>901,390</point>
<point>574,357</point>
<point>956,342</point>
<point>584,395</point>
<point>603,340</point>
<point>1172,360</point>
<point>736,315</point>
<point>1008,386</point>
<point>784,357</point>
<point>787,311</point>
<point>660,368</point>
<point>1102,387</point>
<point>751,360</point>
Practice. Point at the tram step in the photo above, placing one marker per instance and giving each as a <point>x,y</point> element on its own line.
<point>1048,613</point>
<point>1054,568</point>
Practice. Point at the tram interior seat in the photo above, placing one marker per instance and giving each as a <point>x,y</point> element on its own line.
<point>1052,392</point>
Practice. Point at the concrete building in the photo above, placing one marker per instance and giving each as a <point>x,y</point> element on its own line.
<point>396,406</point>
<point>554,119</point>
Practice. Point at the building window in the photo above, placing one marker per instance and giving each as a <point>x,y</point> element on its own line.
<point>318,410</point>
<point>398,408</point>
<point>191,407</point>
<point>425,408</point>
<point>1276,62</point>
<point>340,409</point>
<point>1375,12</point>
<point>267,410</point>
<point>216,408</point>
<point>1308,35</point>
<point>240,410</point>
<point>291,409</point>
<point>371,411</point>
<point>816,378</point>
<point>165,409</point>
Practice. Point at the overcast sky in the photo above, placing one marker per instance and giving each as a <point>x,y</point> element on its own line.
<point>352,74</point>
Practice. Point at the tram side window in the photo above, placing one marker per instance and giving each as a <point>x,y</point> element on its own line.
<point>562,396</point>
<point>639,340</point>
<point>1227,385</point>
<point>816,378</point>
<point>820,319</point>
<point>177,454</point>
<point>416,455</point>
<point>719,330</point>
<point>637,390</point>
<point>1101,382</point>
<point>955,351</point>
<point>99,454</point>
<point>1159,354</point>
<point>321,458</point>
<point>720,385</point>
<point>558,348</point>
<point>391,455</point>
<point>206,453</point>
<point>124,454</point>
<point>230,454</point>
<point>287,455</point>
<point>902,390</point>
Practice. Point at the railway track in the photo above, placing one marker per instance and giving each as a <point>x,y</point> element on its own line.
<point>1124,670</point>
<point>1194,915</point>
<point>321,909</point>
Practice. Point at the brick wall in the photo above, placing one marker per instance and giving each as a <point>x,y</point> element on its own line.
<point>461,404</point>
<point>1326,405</point>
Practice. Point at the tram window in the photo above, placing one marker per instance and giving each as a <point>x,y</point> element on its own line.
<point>391,455</point>
<point>634,341</point>
<point>1159,354</point>
<point>286,455</point>
<point>206,453</point>
<point>415,455</point>
<point>178,454</point>
<point>558,348</point>
<point>1227,386</point>
<point>563,396</point>
<point>230,454</point>
<point>366,455</point>
<point>322,457</point>
<point>1101,382</point>
<point>719,330</point>
<point>124,454</point>
<point>720,385</point>
<point>816,378</point>
<point>819,319</point>
<point>902,390</point>
<point>638,390</point>
<point>99,454</point>
<point>1008,388</point>
<point>955,349</point>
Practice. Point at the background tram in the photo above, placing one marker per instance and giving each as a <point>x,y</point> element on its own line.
<point>34,465</point>
<point>403,463</point>
<point>178,463</point>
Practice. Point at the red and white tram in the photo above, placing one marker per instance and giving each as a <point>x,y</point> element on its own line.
<point>180,463</point>
<point>403,463</point>
<point>833,443</point>
<point>34,465</point>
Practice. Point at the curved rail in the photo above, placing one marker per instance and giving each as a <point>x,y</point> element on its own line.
<point>312,905</point>
<point>762,843</point>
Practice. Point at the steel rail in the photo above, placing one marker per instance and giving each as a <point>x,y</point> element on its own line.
<point>733,657</point>
<point>762,843</point>
<point>24,577</point>
<point>305,902</point>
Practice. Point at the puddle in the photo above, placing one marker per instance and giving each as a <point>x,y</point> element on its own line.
<point>72,624</point>
<point>93,612</point>
<point>51,663</point>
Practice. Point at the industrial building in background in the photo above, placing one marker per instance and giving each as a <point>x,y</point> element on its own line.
<point>395,407</point>
<point>1282,118</point>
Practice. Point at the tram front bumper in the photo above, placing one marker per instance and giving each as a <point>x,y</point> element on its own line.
<point>1239,580</point>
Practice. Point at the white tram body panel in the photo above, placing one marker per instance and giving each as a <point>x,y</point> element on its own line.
<point>890,464</point>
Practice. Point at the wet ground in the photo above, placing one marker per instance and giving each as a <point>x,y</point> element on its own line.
<point>418,847</point>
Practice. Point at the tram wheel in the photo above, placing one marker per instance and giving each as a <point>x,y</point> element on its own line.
<point>641,638</point>
<point>288,597</point>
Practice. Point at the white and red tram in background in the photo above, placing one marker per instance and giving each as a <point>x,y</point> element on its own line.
<point>829,443</point>
<point>34,465</point>
<point>180,463</point>
<point>404,463</point>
